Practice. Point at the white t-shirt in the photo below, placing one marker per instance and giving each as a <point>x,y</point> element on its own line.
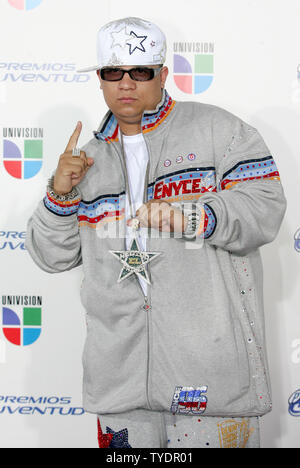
<point>137,158</point>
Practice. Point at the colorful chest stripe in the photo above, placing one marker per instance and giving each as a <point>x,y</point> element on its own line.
<point>103,209</point>
<point>184,185</point>
<point>188,184</point>
<point>180,186</point>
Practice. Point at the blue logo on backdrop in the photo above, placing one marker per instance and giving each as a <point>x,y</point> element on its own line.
<point>12,240</point>
<point>41,405</point>
<point>28,72</point>
<point>297,240</point>
<point>294,404</point>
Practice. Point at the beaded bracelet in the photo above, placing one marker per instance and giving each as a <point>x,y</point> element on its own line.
<point>61,198</point>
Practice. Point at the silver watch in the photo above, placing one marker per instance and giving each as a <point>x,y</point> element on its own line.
<point>194,219</point>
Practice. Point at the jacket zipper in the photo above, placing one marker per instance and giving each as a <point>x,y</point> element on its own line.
<point>147,305</point>
<point>147,299</point>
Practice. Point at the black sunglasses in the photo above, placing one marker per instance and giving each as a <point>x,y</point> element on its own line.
<point>136,74</point>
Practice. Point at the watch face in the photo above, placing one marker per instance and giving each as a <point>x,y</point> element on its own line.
<point>193,219</point>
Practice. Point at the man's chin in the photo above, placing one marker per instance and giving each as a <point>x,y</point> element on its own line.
<point>129,118</point>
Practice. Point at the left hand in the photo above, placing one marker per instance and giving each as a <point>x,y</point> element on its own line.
<point>160,215</point>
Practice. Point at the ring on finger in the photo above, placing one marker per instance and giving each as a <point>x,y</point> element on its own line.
<point>76,152</point>
<point>135,224</point>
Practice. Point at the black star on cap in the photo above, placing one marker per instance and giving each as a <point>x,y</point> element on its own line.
<point>136,42</point>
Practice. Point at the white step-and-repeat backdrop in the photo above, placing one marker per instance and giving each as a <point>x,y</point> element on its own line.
<point>240,55</point>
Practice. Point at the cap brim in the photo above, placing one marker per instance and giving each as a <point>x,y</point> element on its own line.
<point>89,69</point>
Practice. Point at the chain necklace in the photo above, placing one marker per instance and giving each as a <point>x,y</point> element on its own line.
<point>134,260</point>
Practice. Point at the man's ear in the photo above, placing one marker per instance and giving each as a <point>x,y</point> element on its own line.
<point>98,74</point>
<point>164,74</point>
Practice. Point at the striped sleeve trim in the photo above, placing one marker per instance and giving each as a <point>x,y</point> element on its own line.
<point>208,222</point>
<point>66,208</point>
<point>251,169</point>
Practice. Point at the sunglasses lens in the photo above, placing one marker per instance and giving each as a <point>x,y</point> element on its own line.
<point>111,74</point>
<point>142,74</point>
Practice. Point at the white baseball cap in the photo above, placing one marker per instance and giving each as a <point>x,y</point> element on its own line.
<point>129,41</point>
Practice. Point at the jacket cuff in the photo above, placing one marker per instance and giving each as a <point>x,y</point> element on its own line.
<point>210,221</point>
<point>60,208</point>
<point>206,224</point>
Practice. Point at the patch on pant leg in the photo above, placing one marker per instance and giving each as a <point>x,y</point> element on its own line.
<point>189,400</point>
<point>104,440</point>
<point>112,439</point>
<point>119,439</point>
<point>234,434</point>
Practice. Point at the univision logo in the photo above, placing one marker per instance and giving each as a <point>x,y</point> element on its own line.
<point>22,325</point>
<point>194,66</point>
<point>25,4</point>
<point>297,240</point>
<point>22,157</point>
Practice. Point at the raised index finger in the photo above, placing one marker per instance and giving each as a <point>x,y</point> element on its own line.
<point>74,138</point>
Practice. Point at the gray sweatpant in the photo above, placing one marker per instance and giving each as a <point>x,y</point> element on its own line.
<point>158,429</point>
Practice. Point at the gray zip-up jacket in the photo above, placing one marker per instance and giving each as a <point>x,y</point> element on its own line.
<point>196,344</point>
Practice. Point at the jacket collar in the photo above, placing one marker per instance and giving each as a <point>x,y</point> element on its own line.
<point>109,128</point>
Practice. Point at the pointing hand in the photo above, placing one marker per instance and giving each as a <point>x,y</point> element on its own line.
<point>71,170</point>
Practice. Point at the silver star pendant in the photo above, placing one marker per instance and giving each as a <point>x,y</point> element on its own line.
<point>134,261</point>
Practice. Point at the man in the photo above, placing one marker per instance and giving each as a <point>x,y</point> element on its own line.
<point>175,349</point>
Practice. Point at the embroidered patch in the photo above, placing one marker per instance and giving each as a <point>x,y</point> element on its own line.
<point>112,439</point>
<point>192,157</point>
<point>234,434</point>
<point>119,439</point>
<point>187,184</point>
<point>189,400</point>
<point>104,440</point>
